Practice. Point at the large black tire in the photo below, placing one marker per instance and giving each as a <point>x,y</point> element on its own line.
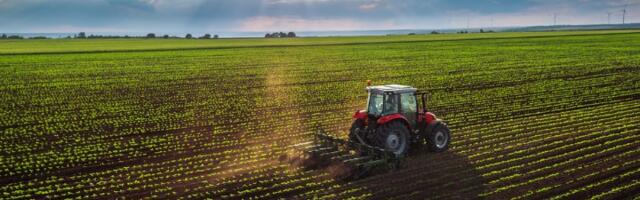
<point>393,136</point>
<point>439,138</point>
<point>358,123</point>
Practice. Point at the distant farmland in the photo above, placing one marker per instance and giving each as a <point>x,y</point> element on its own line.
<point>532,115</point>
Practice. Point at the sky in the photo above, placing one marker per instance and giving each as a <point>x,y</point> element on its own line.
<point>51,16</point>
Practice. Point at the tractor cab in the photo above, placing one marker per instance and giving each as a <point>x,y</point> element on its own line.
<point>391,120</point>
<point>387,100</point>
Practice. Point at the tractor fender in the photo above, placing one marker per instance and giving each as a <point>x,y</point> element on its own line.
<point>429,117</point>
<point>360,114</point>
<point>432,125</point>
<point>393,117</point>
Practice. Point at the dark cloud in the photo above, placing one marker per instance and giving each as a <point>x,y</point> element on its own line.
<point>205,15</point>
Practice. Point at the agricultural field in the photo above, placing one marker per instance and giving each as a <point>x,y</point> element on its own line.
<point>532,115</point>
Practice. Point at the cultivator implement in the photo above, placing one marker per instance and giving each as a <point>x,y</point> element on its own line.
<point>344,159</point>
<point>382,124</point>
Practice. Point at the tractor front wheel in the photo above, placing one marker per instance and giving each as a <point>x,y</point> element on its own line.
<point>439,138</point>
<point>393,136</point>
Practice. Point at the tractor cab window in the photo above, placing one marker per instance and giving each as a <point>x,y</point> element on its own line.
<point>409,107</point>
<point>380,104</point>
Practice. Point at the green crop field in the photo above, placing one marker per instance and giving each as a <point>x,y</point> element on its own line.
<point>532,115</point>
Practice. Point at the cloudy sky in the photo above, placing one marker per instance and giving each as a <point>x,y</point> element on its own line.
<point>299,15</point>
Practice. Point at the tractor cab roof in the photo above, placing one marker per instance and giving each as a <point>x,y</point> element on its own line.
<point>397,89</point>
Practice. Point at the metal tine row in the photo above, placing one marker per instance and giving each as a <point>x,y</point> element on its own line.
<point>344,157</point>
<point>358,160</point>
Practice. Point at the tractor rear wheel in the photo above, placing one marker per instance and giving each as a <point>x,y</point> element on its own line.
<point>439,138</point>
<point>393,136</point>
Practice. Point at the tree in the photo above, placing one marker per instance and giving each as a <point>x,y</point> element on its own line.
<point>481,30</point>
<point>165,36</point>
<point>15,37</point>
<point>81,35</point>
<point>215,36</point>
<point>151,35</point>
<point>434,32</point>
<point>206,36</point>
<point>188,36</point>
<point>4,36</point>
<point>280,35</point>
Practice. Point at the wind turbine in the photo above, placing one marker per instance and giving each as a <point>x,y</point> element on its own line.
<point>491,23</point>
<point>608,17</point>
<point>624,12</point>
<point>555,19</point>
<point>467,23</point>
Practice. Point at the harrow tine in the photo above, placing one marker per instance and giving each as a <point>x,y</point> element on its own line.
<point>358,159</point>
<point>321,150</point>
<point>344,157</point>
<point>303,144</point>
<point>331,154</point>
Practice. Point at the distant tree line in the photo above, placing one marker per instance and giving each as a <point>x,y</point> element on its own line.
<point>432,32</point>
<point>481,31</point>
<point>187,36</point>
<point>280,35</point>
<point>83,35</point>
<point>5,36</point>
<point>18,37</point>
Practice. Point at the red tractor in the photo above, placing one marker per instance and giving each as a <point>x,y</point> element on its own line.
<point>381,135</point>
<point>395,121</point>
